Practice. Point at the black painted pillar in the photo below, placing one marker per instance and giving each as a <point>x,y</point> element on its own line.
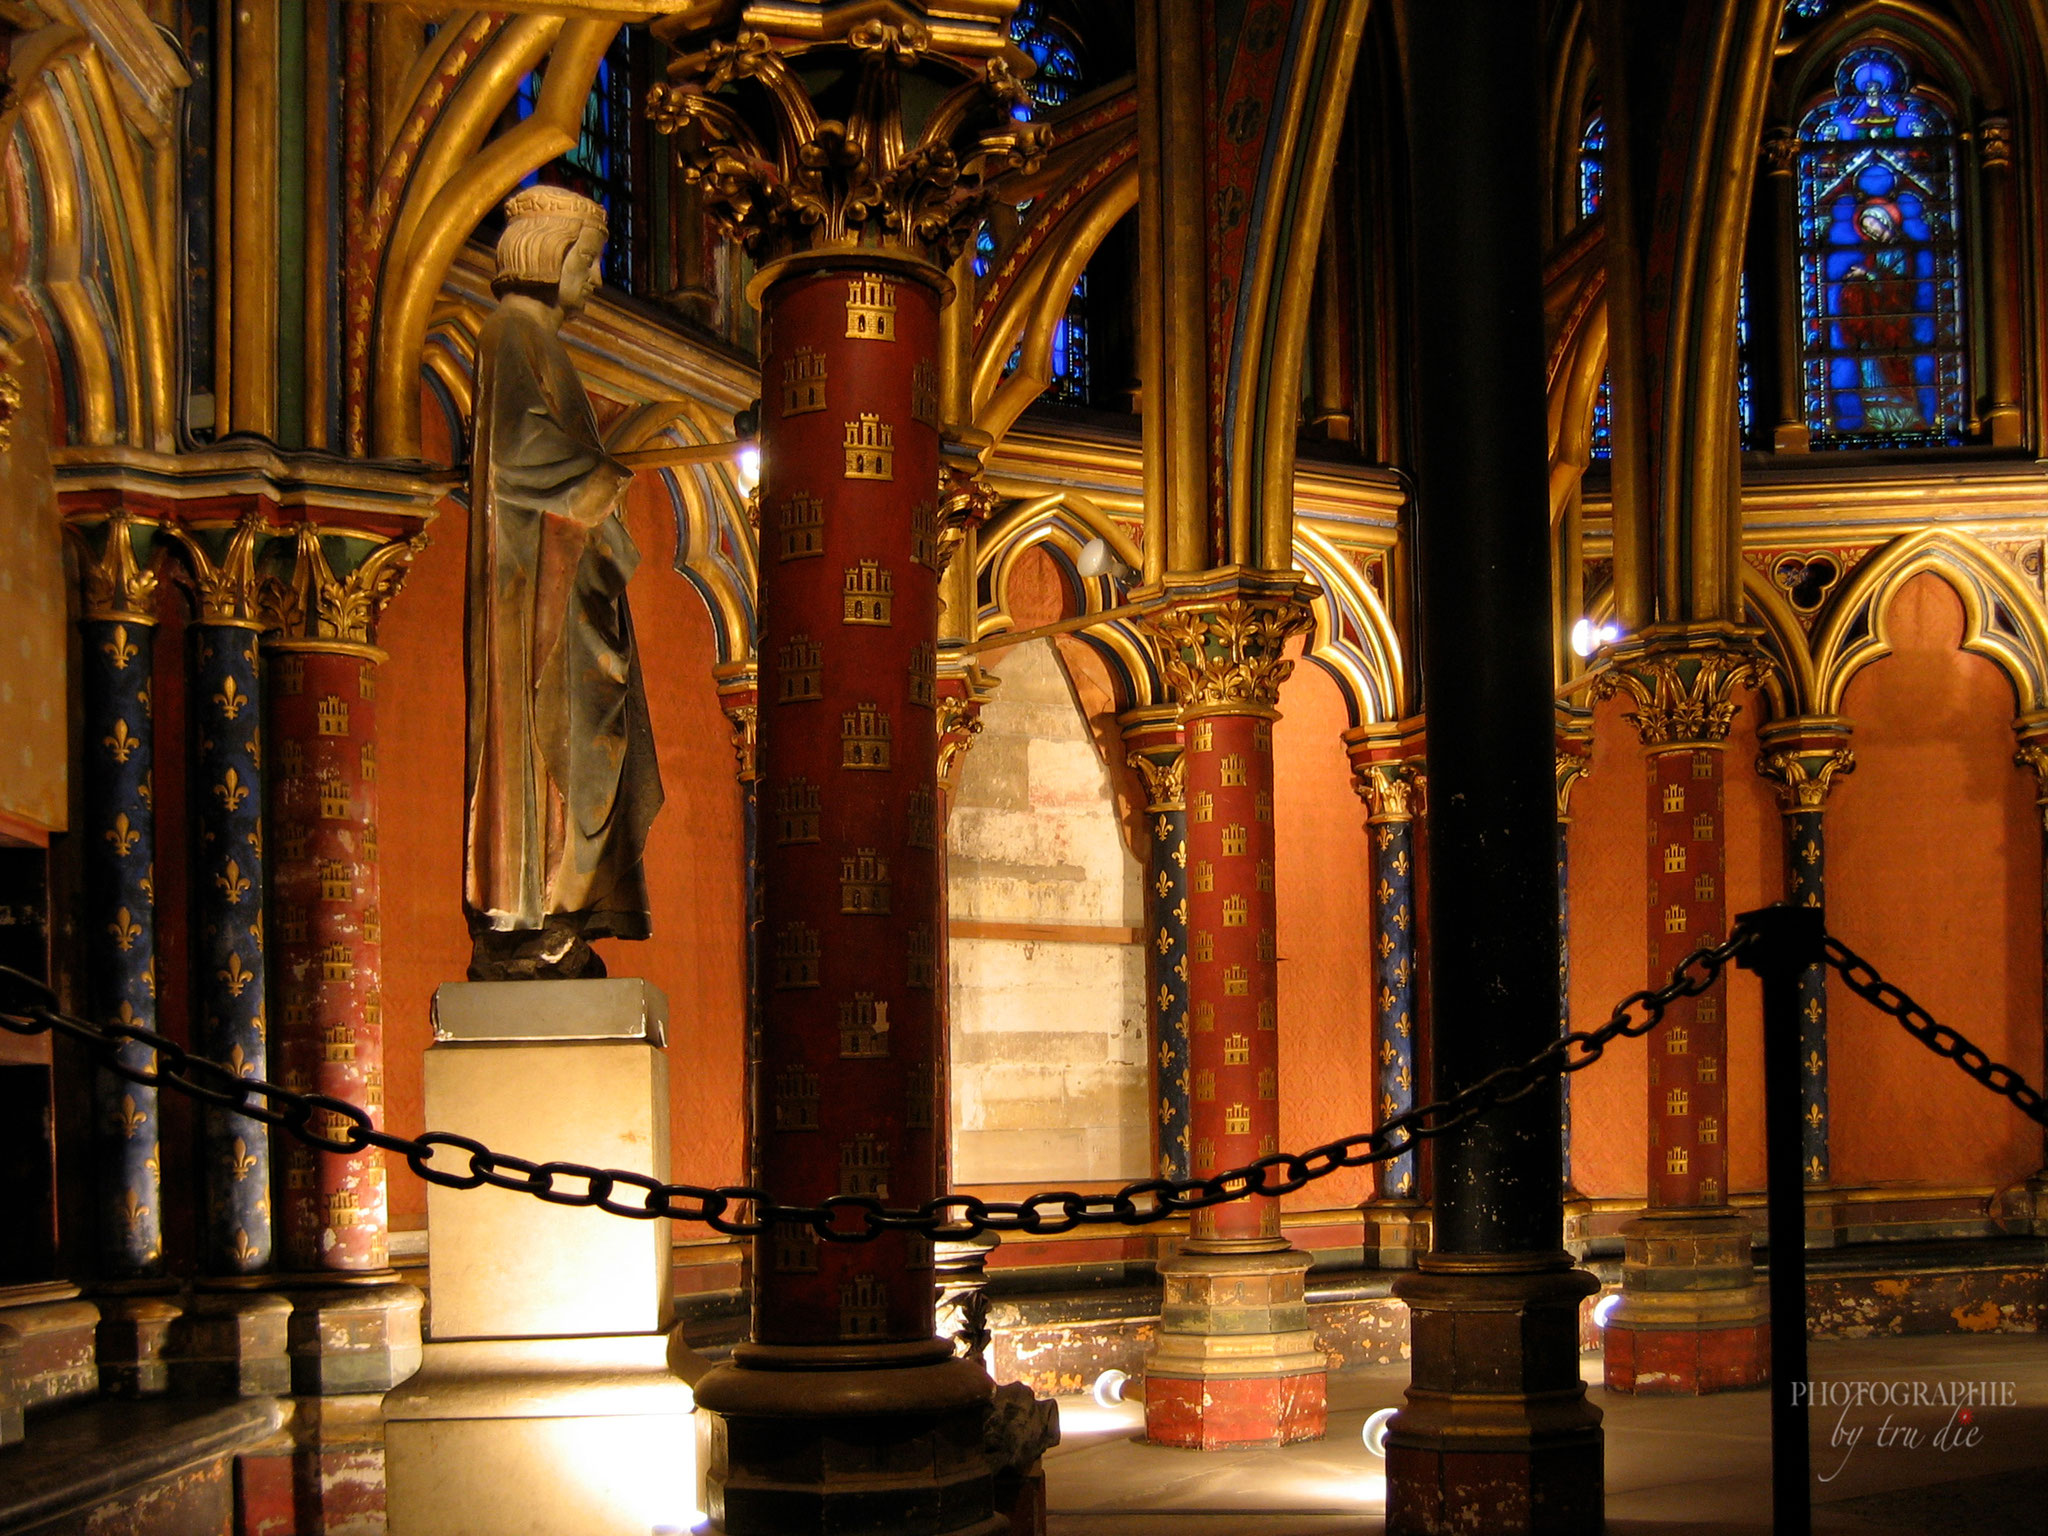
<point>1495,1304</point>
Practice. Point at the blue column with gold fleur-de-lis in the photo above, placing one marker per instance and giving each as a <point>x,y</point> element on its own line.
<point>1802,756</point>
<point>1389,784</point>
<point>1153,740</point>
<point>225,714</point>
<point>1806,886</point>
<point>118,632</point>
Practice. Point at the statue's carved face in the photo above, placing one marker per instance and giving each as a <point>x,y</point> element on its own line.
<point>580,271</point>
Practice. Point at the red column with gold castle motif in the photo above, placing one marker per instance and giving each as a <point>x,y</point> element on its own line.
<point>1235,1362</point>
<point>1692,1318</point>
<point>848,752</point>
<point>854,223</point>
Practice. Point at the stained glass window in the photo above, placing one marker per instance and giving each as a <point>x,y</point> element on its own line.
<point>1745,389</point>
<point>1052,49</point>
<point>1880,282</point>
<point>1592,164</point>
<point>1070,349</point>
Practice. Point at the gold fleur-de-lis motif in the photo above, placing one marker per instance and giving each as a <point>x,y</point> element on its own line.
<point>125,930</point>
<point>118,649</point>
<point>254,747</point>
<point>232,791</point>
<point>148,885</point>
<point>121,742</point>
<point>129,1119</point>
<point>241,1162</point>
<point>230,698</point>
<point>233,883</point>
<point>146,792</point>
<point>243,1067</point>
<point>245,1251</point>
<point>256,840</point>
<point>125,1014</point>
<point>235,976</point>
<point>134,1209</point>
<point>123,836</point>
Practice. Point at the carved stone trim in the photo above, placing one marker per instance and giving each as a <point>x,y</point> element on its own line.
<point>1803,772</point>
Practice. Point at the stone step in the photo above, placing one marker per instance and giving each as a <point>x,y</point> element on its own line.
<point>152,1468</point>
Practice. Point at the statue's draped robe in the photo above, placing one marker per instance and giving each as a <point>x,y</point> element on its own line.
<point>562,780</point>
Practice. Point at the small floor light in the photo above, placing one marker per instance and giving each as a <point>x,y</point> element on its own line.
<point>1108,1390</point>
<point>1375,1431</point>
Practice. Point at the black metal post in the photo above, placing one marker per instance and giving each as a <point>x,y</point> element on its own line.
<point>1789,941</point>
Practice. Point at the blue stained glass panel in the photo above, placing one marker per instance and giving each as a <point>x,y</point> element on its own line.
<point>1059,75</point>
<point>1880,282</point>
<point>1603,418</point>
<point>1592,164</point>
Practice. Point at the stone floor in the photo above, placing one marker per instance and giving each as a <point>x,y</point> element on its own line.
<point>1675,1466</point>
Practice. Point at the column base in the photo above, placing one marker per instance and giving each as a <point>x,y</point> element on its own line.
<point>886,1437</point>
<point>354,1339</point>
<point>2037,1202</point>
<point>1396,1232</point>
<point>1496,1434</point>
<point>1827,1218</point>
<point>1236,1363</point>
<point>231,1344</point>
<point>1692,1318</point>
<point>133,1333</point>
<point>584,1434</point>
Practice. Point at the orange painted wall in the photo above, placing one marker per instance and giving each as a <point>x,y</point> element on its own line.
<point>694,855</point>
<point>1321,875</point>
<point>1934,874</point>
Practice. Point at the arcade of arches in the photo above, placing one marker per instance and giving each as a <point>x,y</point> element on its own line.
<point>1409,494</point>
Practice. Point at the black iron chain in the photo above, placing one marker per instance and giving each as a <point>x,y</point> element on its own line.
<point>337,1126</point>
<point>1861,977</point>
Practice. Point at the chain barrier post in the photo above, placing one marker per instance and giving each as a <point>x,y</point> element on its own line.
<point>1789,942</point>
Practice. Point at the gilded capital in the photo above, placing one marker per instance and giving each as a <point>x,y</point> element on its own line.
<point>739,696</point>
<point>783,178</point>
<point>1994,143</point>
<point>1780,150</point>
<point>2033,755</point>
<point>1804,775</point>
<point>1165,772</point>
<point>1572,766</point>
<point>10,396</point>
<point>1226,655</point>
<point>959,723</point>
<point>118,585</point>
<point>1392,791</point>
<point>313,607</point>
<point>1685,694</point>
<point>229,591</point>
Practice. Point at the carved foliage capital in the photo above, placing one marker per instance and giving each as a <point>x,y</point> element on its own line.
<point>1804,774</point>
<point>117,584</point>
<point>1994,143</point>
<point>1392,788</point>
<point>1165,774</point>
<point>783,179</point>
<point>2033,755</point>
<point>1574,762</point>
<point>1229,656</point>
<point>1780,150</point>
<point>312,603</point>
<point>1683,696</point>
<point>959,723</point>
<point>229,589</point>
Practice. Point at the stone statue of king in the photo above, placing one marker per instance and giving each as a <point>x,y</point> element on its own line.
<point>562,783</point>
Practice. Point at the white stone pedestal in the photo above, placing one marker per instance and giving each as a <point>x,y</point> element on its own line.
<point>545,1403</point>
